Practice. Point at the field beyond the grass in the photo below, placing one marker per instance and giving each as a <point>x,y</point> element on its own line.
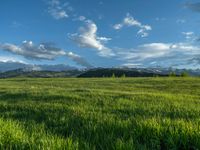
<point>100,113</point>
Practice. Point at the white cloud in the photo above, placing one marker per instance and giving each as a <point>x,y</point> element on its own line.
<point>131,65</point>
<point>78,59</point>
<point>105,39</point>
<point>56,9</point>
<point>142,52</point>
<point>117,26</point>
<point>188,35</point>
<point>58,14</point>
<point>29,50</point>
<point>87,38</point>
<point>10,59</point>
<point>143,33</point>
<point>43,51</point>
<point>130,21</point>
<point>161,53</point>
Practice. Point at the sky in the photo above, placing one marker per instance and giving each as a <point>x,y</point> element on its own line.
<point>101,33</point>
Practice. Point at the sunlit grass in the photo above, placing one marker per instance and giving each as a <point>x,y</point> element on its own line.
<point>106,113</point>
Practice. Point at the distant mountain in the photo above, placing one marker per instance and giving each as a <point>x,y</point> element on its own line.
<point>98,72</point>
<point>191,72</point>
<point>14,69</point>
<point>18,69</point>
<point>8,66</point>
<point>59,67</point>
<point>39,74</point>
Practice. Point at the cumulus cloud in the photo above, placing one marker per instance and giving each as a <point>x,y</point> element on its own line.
<point>43,51</point>
<point>161,53</point>
<point>58,10</point>
<point>132,22</point>
<point>87,38</point>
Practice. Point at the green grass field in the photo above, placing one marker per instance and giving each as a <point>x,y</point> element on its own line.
<point>106,113</point>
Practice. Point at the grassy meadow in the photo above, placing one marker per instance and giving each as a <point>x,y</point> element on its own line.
<point>100,113</point>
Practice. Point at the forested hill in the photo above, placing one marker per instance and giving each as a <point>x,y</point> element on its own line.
<point>99,72</point>
<point>114,72</point>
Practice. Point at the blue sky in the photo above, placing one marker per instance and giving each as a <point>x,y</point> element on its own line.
<point>101,33</point>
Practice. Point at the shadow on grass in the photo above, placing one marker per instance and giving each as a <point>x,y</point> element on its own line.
<point>21,97</point>
<point>161,113</point>
<point>96,133</point>
<point>105,133</point>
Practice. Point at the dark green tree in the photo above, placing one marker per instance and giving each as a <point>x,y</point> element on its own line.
<point>172,74</point>
<point>123,76</point>
<point>113,75</point>
<point>184,74</point>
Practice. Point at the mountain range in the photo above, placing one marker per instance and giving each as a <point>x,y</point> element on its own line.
<point>18,69</point>
<point>10,65</point>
